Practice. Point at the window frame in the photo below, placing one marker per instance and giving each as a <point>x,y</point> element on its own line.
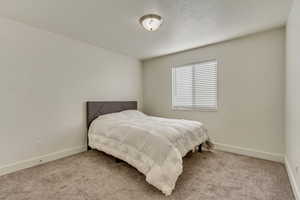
<point>195,108</point>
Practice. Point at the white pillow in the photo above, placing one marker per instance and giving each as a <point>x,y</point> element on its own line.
<point>133,113</point>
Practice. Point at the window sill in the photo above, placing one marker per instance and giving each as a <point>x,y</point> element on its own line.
<point>195,109</point>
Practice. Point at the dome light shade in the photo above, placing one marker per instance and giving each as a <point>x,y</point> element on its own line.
<point>151,22</point>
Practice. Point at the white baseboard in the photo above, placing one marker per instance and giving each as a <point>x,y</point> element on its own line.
<point>293,182</point>
<point>40,160</point>
<point>250,152</point>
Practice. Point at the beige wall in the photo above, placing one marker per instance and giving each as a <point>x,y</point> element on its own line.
<point>45,80</point>
<point>293,95</point>
<point>251,91</point>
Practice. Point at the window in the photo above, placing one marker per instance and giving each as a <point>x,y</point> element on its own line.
<point>194,86</point>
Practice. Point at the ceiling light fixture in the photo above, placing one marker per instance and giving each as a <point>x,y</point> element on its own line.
<point>151,22</point>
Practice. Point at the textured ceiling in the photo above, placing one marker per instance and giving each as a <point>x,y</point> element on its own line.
<point>113,24</point>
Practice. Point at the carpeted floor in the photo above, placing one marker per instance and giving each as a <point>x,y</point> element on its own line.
<point>93,175</point>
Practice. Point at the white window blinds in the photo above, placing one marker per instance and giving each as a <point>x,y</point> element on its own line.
<point>195,86</point>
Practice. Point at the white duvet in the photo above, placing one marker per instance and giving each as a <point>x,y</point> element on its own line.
<point>155,146</point>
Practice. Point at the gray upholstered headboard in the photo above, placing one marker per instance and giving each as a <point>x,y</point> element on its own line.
<point>97,108</point>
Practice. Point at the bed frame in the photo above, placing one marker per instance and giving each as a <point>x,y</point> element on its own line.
<point>97,108</point>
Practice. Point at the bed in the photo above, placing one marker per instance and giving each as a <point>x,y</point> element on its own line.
<point>154,146</point>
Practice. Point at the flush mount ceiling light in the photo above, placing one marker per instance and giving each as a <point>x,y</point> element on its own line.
<point>151,22</point>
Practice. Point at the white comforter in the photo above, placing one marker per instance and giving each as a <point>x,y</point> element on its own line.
<point>153,145</point>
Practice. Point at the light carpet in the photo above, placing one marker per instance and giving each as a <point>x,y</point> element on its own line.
<point>94,175</point>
